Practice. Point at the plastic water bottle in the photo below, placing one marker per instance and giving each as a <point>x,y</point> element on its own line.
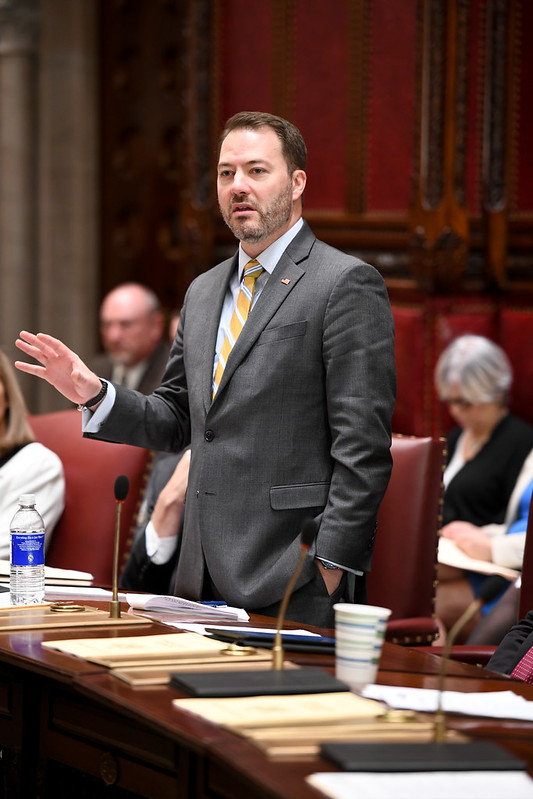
<point>27,554</point>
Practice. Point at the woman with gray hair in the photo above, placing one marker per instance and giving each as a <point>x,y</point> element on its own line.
<point>486,453</point>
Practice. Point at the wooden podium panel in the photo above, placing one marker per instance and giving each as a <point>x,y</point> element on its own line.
<point>72,728</point>
<point>44,617</point>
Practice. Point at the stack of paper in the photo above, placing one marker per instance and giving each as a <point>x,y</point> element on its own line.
<point>144,650</point>
<point>436,784</point>
<point>295,725</point>
<point>186,607</point>
<point>451,555</point>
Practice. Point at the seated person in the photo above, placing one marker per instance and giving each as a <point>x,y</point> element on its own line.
<point>497,622</point>
<point>504,543</point>
<point>132,329</point>
<point>155,547</point>
<point>513,648</point>
<point>486,453</point>
<point>26,467</point>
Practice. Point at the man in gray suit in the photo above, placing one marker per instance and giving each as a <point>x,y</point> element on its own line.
<point>286,420</point>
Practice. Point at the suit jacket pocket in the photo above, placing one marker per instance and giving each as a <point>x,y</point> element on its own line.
<point>273,334</point>
<point>304,495</point>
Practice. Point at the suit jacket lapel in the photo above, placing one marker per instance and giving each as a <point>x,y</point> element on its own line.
<point>217,292</point>
<point>281,282</point>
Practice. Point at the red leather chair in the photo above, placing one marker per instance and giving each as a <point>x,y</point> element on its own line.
<point>403,575</point>
<point>84,536</point>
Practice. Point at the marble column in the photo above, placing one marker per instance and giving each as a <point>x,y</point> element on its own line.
<point>19,27</point>
<point>48,178</point>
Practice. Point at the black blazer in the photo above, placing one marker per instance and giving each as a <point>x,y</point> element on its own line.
<point>514,646</point>
<point>152,375</point>
<point>139,573</point>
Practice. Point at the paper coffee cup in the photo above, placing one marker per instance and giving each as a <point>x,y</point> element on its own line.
<point>359,636</point>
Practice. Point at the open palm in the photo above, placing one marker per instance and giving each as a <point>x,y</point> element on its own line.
<point>59,366</point>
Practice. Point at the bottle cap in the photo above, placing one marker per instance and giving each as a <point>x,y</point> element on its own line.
<point>27,499</point>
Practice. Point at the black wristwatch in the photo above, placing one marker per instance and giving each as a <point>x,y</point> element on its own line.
<point>95,400</point>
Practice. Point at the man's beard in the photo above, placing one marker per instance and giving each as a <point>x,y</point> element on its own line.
<point>270,220</point>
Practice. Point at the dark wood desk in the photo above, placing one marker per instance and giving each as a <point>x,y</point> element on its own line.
<point>70,729</point>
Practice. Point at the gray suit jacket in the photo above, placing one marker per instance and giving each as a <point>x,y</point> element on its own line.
<point>300,425</point>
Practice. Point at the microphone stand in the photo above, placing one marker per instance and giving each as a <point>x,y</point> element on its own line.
<point>440,716</point>
<point>122,487</point>
<point>114,605</point>
<point>489,591</point>
<point>277,649</point>
<point>276,680</point>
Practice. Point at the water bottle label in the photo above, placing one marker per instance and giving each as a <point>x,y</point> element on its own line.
<point>27,549</point>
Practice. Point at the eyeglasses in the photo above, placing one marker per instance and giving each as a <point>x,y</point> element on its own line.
<point>458,401</point>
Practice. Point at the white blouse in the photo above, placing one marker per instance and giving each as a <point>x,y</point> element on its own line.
<point>34,469</point>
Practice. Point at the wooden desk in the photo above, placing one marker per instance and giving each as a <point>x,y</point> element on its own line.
<point>67,727</point>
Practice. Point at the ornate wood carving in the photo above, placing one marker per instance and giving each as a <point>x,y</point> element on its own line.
<point>439,223</point>
<point>496,138</point>
<point>156,132</point>
<point>357,108</point>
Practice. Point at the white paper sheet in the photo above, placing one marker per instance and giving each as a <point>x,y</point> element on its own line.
<point>490,704</point>
<point>433,784</point>
<point>157,603</point>
<point>201,628</point>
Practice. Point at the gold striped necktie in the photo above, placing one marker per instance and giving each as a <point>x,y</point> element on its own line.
<point>252,270</point>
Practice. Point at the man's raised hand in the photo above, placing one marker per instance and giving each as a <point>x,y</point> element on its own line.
<point>59,366</point>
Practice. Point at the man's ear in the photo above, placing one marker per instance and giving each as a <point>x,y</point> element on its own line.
<point>299,179</point>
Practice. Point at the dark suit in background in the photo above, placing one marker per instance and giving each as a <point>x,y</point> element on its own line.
<point>151,376</point>
<point>139,573</point>
<point>513,647</point>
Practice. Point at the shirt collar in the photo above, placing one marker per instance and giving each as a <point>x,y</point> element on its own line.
<point>270,257</point>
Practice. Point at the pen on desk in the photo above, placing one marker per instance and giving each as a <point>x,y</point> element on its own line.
<point>214,603</point>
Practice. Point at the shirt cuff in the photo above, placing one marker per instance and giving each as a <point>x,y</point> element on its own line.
<point>159,550</point>
<point>92,421</point>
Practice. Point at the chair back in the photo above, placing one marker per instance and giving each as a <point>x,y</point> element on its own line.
<point>404,565</point>
<point>525,601</point>
<point>84,536</point>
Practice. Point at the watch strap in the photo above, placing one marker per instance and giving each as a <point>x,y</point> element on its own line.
<point>94,400</point>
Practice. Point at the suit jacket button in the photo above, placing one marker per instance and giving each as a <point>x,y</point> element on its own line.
<point>209,435</point>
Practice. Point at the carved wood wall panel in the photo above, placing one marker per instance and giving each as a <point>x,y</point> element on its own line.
<point>156,138</point>
<point>416,114</point>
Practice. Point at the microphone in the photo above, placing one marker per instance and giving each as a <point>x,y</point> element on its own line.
<point>275,680</point>
<point>307,536</point>
<point>438,754</point>
<point>122,487</point>
<point>489,590</point>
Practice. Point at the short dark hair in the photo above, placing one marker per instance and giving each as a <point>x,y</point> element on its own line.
<point>292,142</point>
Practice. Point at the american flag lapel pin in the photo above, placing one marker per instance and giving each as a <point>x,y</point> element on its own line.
<point>285,281</point>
